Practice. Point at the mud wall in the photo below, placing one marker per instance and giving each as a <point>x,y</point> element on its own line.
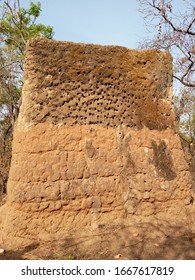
<point>95,141</point>
<point>89,84</point>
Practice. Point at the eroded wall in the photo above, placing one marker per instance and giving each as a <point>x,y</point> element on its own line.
<point>95,141</point>
<point>72,84</point>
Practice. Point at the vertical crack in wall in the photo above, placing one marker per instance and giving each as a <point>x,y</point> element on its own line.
<point>127,178</point>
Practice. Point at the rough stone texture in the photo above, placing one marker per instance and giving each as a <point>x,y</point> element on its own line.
<point>72,84</point>
<point>95,142</point>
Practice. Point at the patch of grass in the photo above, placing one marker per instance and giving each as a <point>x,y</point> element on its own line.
<point>70,257</point>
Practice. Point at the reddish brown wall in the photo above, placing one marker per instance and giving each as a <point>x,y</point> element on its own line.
<point>89,84</point>
<point>95,141</point>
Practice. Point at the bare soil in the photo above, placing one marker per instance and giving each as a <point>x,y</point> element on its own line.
<point>178,248</point>
<point>122,242</point>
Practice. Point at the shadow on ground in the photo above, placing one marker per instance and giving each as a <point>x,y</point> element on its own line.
<point>137,242</point>
<point>19,254</point>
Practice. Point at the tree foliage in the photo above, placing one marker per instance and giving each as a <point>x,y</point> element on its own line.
<point>17,26</point>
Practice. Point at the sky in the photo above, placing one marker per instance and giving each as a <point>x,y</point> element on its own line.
<point>106,22</point>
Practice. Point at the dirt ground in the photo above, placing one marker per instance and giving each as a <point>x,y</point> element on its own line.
<point>117,245</point>
<point>145,242</point>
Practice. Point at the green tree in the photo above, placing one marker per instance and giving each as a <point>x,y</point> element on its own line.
<point>17,26</point>
<point>186,108</point>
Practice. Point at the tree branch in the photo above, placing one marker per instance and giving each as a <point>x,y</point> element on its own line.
<point>187,84</point>
<point>162,11</point>
<point>15,22</point>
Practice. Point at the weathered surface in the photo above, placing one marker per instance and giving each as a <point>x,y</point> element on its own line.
<point>82,84</point>
<point>95,142</point>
